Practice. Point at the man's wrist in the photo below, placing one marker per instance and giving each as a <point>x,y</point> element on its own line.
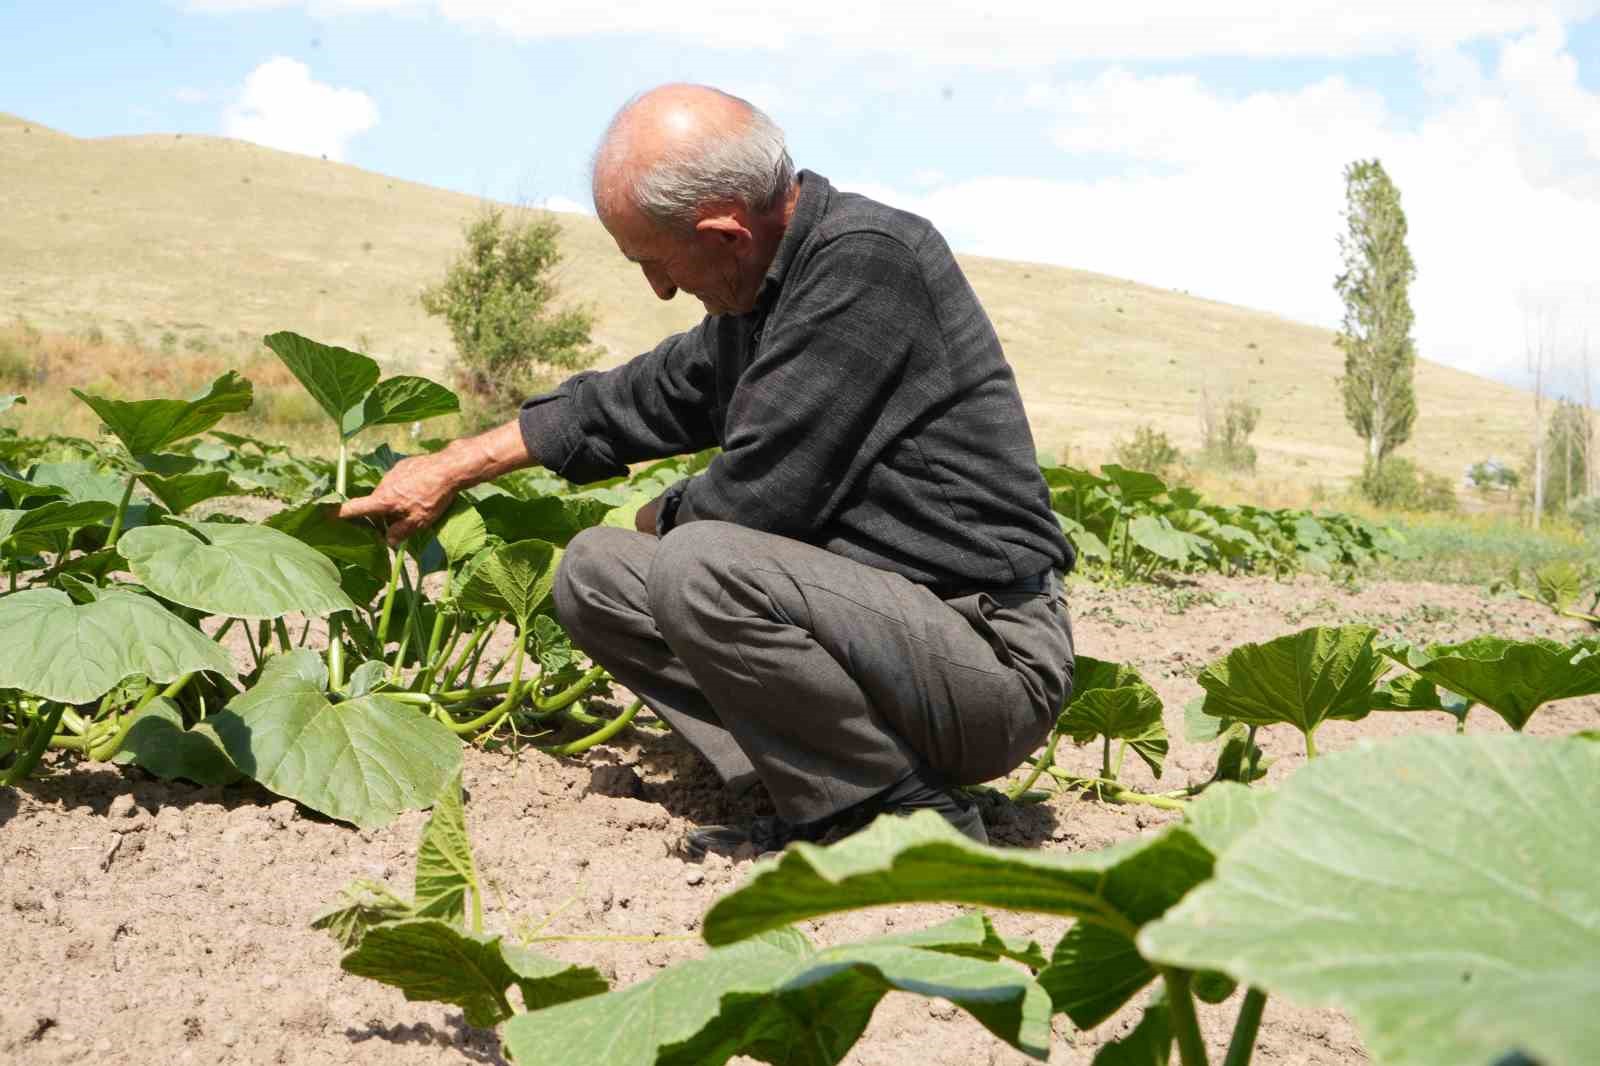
<point>473,460</point>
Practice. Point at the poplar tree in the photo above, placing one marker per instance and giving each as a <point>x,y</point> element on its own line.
<point>1379,355</point>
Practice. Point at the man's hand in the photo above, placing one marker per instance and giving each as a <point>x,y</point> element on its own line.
<point>418,490</point>
<point>645,520</point>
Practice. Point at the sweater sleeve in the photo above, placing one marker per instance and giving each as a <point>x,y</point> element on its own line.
<point>655,405</point>
<point>814,407</point>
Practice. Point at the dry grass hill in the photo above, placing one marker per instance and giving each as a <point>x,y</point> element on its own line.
<point>203,237</point>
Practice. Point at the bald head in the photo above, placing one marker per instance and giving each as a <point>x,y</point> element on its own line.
<point>677,150</point>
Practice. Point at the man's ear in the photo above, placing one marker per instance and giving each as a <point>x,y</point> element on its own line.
<point>724,228</point>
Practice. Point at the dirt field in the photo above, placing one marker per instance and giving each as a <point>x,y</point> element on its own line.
<point>160,923</point>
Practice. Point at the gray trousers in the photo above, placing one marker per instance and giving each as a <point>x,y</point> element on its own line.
<point>827,679</point>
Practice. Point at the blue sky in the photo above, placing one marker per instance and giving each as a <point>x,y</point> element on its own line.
<point>1200,152</point>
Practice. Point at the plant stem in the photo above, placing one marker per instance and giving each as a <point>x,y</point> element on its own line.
<point>1105,759</point>
<point>44,728</point>
<point>569,695</point>
<point>1311,743</point>
<point>599,736</point>
<point>282,629</point>
<point>1039,766</point>
<point>122,511</point>
<point>335,652</point>
<point>1116,767</point>
<point>1243,1044</point>
<point>388,598</point>
<point>104,747</point>
<point>1252,756</point>
<point>341,473</point>
<point>1185,1025</point>
<point>255,652</point>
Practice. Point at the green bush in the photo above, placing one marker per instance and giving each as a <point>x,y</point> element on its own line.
<point>1225,435</point>
<point>1397,483</point>
<point>1148,450</point>
<point>498,298</point>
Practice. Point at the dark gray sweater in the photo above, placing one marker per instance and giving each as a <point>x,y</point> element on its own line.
<point>864,406</point>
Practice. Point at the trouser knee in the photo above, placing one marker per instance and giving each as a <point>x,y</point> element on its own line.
<point>692,569</point>
<point>589,570</point>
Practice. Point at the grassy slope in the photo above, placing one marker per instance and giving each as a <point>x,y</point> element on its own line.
<point>211,236</point>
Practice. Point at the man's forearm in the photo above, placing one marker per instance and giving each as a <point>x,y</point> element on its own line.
<point>474,460</point>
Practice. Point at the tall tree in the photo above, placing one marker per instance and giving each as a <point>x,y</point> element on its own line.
<point>1379,355</point>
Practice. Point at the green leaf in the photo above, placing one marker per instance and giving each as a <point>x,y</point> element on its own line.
<point>53,517</point>
<point>1134,486</point>
<point>1303,678</point>
<point>1511,678</point>
<point>445,870</point>
<point>556,519</point>
<point>9,399</point>
<point>357,549</point>
<point>461,533</point>
<point>430,960</point>
<point>363,760</point>
<point>77,653</point>
<point>1375,884</point>
<point>1132,714</point>
<point>777,1003</point>
<point>180,492</point>
<point>159,743</point>
<point>404,398</point>
<point>1199,727</point>
<point>337,378</point>
<point>241,571</point>
<point>1150,1043</point>
<point>150,425</point>
<point>362,905</point>
<point>21,489</point>
<point>513,579</point>
<point>1157,536</point>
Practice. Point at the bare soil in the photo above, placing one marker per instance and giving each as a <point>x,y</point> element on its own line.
<point>147,922</point>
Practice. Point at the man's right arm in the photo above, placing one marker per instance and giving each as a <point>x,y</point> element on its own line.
<point>589,428</point>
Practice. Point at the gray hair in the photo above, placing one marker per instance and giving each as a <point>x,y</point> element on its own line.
<point>751,167</point>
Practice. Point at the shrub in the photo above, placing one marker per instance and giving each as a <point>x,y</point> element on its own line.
<point>498,298</point>
<point>1396,482</point>
<point>1148,450</point>
<point>169,342</point>
<point>1225,434</point>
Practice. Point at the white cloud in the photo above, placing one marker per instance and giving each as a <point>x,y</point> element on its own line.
<point>1004,33</point>
<point>1240,199</point>
<point>282,106</point>
<point>566,205</point>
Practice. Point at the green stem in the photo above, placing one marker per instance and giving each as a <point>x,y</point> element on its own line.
<point>599,736</point>
<point>388,598</point>
<point>1252,756</point>
<point>430,661</point>
<point>492,716</point>
<point>250,639</point>
<point>1116,767</point>
<point>335,653</point>
<point>1185,1024</point>
<point>104,747</point>
<point>1243,1044</point>
<point>122,511</point>
<point>1105,759</point>
<point>569,695</point>
<point>43,729</point>
<point>1311,743</point>
<point>1040,764</point>
<point>282,629</point>
<point>342,472</point>
<point>468,654</point>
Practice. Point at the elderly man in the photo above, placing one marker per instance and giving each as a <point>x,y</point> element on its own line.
<point>858,602</point>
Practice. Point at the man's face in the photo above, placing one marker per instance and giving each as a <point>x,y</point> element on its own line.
<point>706,265</point>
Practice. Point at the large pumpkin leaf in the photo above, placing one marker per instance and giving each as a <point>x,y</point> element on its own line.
<point>179,492</point>
<point>1134,486</point>
<point>777,1000</point>
<point>232,569</point>
<point>151,425</point>
<point>56,516</point>
<point>1450,937</point>
<point>158,742</point>
<point>922,859</point>
<point>357,549</point>
<point>1084,542</point>
<point>76,653</point>
<point>513,579</point>
<point>22,489</point>
<point>1303,678</point>
<point>363,760</point>
<point>430,959</point>
<point>1156,535</point>
<point>556,519</point>
<point>337,378</point>
<point>404,398</point>
<point>1512,678</point>
<point>461,532</point>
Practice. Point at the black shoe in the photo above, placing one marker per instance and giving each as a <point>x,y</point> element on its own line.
<point>772,834</point>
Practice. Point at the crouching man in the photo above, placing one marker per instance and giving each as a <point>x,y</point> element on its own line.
<point>858,602</point>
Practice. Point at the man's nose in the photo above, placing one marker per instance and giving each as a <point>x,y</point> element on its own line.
<point>660,283</point>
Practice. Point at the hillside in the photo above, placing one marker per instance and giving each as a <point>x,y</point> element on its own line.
<point>207,236</point>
